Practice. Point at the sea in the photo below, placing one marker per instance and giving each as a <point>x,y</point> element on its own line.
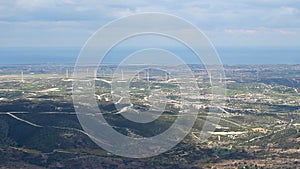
<point>227,55</point>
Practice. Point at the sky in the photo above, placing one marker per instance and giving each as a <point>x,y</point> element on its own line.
<point>263,24</point>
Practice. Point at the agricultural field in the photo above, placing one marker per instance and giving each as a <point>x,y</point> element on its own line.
<point>259,125</point>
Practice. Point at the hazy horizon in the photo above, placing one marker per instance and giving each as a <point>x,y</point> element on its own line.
<point>228,55</point>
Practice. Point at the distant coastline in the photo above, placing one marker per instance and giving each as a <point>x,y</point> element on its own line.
<point>228,55</point>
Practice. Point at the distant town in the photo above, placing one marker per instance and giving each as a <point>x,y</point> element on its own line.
<point>258,126</point>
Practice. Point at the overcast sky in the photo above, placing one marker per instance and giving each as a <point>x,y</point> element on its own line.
<point>63,23</point>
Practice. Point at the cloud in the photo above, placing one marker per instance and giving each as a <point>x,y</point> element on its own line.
<point>241,31</point>
<point>72,18</point>
<point>209,14</point>
<point>285,32</point>
<point>33,4</point>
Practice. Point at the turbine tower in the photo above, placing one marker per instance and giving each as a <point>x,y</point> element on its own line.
<point>95,73</point>
<point>147,75</point>
<point>67,73</point>
<point>22,77</point>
